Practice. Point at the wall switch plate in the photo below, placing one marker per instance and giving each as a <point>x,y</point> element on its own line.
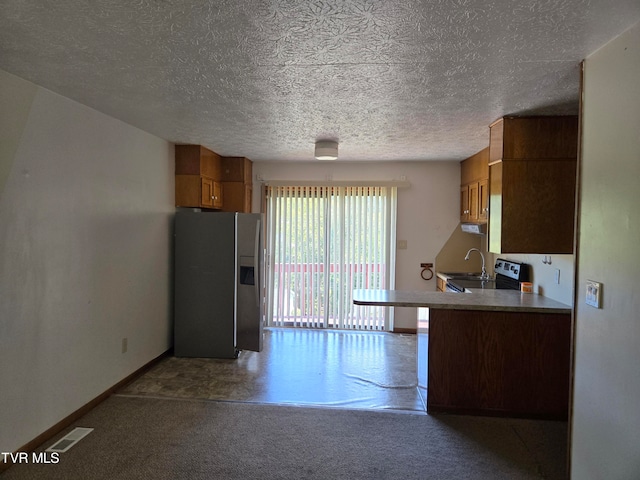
<point>402,244</point>
<point>594,294</point>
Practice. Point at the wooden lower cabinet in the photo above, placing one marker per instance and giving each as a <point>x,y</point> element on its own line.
<point>441,285</point>
<point>499,363</point>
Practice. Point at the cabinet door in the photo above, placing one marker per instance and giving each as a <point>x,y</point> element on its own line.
<point>483,200</point>
<point>464,203</point>
<point>532,206</point>
<point>218,199</point>
<point>206,192</point>
<point>473,201</point>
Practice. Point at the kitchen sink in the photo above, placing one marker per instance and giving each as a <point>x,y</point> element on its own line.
<point>465,276</point>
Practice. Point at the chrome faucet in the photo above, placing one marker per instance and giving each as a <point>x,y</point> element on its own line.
<point>483,275</point>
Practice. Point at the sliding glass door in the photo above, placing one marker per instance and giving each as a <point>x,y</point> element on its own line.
<point>322,243</point>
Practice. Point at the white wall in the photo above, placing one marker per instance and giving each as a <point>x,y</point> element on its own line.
<point>543,276</point>
<point>85,216</point>
<point>606,422</point>
<point>427,210</point>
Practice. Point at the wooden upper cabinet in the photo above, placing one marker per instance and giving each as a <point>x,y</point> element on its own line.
<point>483,200</point>
<point>237,169</point>
<point>198,174</point>
<point>464,203</point>
<point>474,175</point>
<point>519,138</point>
<point>237,183</point>
<point>198,160</point>
<point>532,184</point>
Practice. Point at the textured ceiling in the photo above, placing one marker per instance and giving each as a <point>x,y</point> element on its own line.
<point>390,80</point>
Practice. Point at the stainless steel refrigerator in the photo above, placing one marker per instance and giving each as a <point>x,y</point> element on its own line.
<point>218,284</point>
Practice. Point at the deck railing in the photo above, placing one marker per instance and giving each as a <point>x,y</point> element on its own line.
<point>301,297</point>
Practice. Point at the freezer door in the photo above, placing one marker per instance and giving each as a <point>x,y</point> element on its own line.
<point>204,285</point>
<point>249,318</point>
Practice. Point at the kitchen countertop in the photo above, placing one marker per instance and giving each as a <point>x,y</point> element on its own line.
<point>495,300</point>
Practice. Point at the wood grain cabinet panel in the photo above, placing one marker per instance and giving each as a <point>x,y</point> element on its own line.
<point>465,209</point>
<point>483,200</point>
<point>533,137</point>
<point>499,363</point>
<point>237,197</point>
<point>474,174</point>
<point>197,181</point>
<point>237,169</point>
<point>532,184</point>
<point>237,184</point>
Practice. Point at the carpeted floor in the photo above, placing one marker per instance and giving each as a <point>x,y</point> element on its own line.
<point>162,438</point>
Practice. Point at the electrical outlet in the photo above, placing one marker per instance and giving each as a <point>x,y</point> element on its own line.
<point>125,345</point>
<point>594,294</point>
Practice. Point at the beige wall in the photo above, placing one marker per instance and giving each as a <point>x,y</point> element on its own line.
<point>606,427</point>
<point>427,209</point>
<point>86,204</point>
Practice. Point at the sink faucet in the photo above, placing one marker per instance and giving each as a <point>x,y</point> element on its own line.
<point>483,275</point>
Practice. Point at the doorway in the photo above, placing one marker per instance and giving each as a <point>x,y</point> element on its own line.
<point>323,242</point>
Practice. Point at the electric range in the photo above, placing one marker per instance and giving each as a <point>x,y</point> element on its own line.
<point>508,275</point>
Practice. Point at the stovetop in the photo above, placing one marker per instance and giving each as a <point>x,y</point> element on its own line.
<point>508,275</point>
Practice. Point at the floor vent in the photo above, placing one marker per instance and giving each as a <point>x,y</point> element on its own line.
<point>70,439</point>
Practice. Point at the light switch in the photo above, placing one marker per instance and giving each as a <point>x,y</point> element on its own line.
<point>594,294</point>
<point>402,244</point>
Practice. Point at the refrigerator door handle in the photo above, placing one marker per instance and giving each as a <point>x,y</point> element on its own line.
<point>256,263</point>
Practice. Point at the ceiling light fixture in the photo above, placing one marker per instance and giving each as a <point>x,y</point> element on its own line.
<point>326,150</point>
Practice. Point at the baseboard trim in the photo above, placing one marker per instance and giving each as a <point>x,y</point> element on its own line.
<point>405,330</point>
<point>65,422</point>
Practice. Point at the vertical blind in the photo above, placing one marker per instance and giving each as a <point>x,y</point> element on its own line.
<point>322,243</point>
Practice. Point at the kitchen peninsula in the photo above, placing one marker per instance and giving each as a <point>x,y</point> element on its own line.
<point>490,352</point>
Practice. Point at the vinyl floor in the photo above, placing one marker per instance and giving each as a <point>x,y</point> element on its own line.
<point>330,368</point>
